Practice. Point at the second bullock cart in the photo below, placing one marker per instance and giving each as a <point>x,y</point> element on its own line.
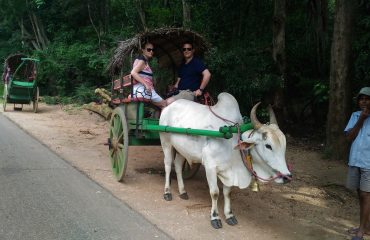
<point>133,122</point>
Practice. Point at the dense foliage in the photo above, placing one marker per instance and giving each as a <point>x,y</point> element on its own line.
<point>74,40</point>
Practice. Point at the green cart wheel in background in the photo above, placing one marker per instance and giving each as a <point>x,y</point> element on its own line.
<point>118,138</point>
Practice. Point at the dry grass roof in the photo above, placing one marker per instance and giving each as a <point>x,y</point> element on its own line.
<point>167,43</point>
<point>13,61</point>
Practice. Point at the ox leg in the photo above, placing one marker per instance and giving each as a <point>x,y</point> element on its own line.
<point>230,218</point>
<point>214,192</point>
<point>168,152</point>
<point>179,163</point>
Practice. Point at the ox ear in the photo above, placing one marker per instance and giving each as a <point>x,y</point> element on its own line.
<point>244,145</point>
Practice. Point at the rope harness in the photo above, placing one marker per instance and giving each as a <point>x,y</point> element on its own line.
<point>247,159</point>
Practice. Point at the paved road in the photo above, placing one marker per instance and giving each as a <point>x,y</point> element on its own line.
<point>43,198</point>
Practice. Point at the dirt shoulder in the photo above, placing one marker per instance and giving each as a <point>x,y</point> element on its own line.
<point>315,205</point>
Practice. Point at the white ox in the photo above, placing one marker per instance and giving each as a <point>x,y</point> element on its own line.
<point>219,156</point>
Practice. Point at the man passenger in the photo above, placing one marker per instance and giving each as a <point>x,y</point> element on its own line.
<point>193,76</point>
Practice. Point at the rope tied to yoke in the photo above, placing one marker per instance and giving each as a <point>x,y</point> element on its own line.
<point>247,160</point>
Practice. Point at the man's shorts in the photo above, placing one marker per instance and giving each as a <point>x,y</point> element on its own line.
<point>358,178</point>
<point>185,94</point>
<point>139,92</point>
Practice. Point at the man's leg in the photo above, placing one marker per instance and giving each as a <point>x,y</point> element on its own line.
<point>364,212</point>
<point>183,94</point>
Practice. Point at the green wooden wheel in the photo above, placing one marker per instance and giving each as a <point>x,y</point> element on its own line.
<point>5,96</point>
<point>35,100</point>
<point>189,172</point>
<point>118,138</point>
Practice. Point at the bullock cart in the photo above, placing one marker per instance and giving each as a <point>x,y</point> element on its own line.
<point>133,121</point>
<point>20,85</point>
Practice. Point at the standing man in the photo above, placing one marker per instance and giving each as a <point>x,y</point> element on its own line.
<point>358,132</point>
<point>193,76</point>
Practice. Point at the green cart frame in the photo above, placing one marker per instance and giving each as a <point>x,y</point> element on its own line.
<point>20,82</point>
<point>133,121</point>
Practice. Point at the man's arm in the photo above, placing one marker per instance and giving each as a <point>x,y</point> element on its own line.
<point>205,80</point>
<point>353,132</point>
<point>177,83</point>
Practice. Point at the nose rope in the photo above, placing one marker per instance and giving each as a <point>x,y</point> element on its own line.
<point>250,169</point>
<point>250,165</point>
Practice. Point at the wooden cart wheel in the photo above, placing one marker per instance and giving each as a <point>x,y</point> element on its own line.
<point>35,100</point>
<point>5,96</point>
<point>118,137</point>
<point>189,172</point>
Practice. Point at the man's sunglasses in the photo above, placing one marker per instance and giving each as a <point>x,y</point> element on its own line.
<point>186,49</point>
<point>150,49</point>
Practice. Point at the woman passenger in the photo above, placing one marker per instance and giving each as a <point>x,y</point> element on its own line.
<point>143,74</point>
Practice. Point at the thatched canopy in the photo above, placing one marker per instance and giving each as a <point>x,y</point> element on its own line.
<point>13,61</point>
<point>167,43</point>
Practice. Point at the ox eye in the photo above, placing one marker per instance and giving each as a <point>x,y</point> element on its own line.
<point>268,146</point>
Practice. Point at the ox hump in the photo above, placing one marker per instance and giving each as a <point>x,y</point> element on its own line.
<point>228,106</point>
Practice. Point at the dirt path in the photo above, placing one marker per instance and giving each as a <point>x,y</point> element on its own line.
<point>314,206</point>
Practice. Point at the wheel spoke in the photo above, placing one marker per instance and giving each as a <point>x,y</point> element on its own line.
<point>120,160</point>
<point>120,137</point>
<point>111,153</point>
<point>117,125</point>
<point>114,126</point>
<point>120,146</point>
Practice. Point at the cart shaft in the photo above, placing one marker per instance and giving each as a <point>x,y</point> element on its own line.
<point>224,132</point>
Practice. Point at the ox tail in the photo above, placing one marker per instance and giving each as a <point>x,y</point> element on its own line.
<point>174,152</point>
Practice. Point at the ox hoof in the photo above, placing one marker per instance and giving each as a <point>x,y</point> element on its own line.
<point>216,223</point>
<point>167,196</point>
<point>232,221</point>
<point>184,196</point>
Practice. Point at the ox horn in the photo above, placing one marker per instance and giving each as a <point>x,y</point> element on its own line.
<point>254,120</point>
<point>272,115</point>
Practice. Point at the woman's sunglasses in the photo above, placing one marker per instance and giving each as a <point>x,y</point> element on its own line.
<point>186,49</point>
<point>150,49</point>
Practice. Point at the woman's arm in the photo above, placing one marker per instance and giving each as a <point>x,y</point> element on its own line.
<point>135,74</point>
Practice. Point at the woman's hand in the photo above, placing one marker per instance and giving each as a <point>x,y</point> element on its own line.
<point>148,88</point>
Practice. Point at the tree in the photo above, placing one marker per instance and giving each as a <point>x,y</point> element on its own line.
<point>318,11</point>
<point>186,14</point>
<point>140,10</point>
<point>279,56</point>
<point>340,76</point>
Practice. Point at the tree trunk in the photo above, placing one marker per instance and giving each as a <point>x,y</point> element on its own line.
<point>98,33</point>
<point>319,14</point>
<point>38,31</point>
<point>140,9</point>
<point>186,14</point>
<point>278,41</point>
<point>279,56</point>
<point>340,76</point>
